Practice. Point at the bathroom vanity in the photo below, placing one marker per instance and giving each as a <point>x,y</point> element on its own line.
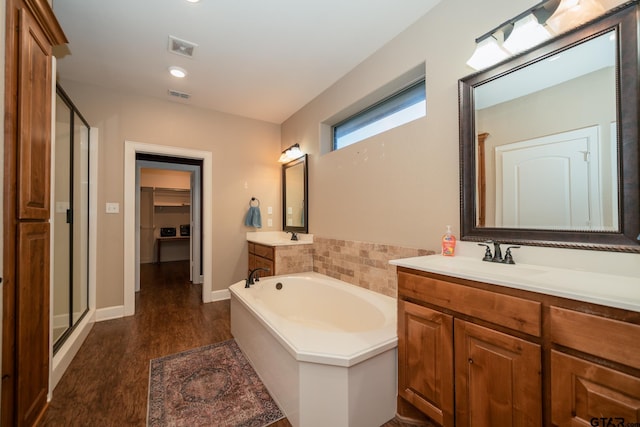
<point>277,252</point>
<point>486,345</point>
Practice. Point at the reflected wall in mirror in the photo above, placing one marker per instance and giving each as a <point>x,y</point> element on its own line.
<point>548,139</point>
<point>295,216</point>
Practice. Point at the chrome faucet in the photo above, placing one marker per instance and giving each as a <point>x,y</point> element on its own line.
<point>294,235</point>
<point>253,276</point>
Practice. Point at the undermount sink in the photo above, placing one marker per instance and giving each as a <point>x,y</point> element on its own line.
<point>478,267</point>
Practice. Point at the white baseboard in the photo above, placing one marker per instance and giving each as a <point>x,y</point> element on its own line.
<point>109,313</point>
<point>220,295</point>
<point>69,349</point>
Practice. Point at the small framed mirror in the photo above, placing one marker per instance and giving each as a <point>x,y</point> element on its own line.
<point>295,214</point>
<point>549,149</point>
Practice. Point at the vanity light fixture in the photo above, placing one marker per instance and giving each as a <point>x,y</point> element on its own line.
<point>527,32</point>
<point>572,13</point>
<point>177,72</point>
<point>531,27</point>
<point>291,153</point>
<point>487,53</point>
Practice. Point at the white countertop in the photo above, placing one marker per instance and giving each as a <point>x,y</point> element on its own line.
<point>605,289</point>
<point>278,238</point>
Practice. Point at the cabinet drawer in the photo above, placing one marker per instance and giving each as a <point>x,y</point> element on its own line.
<point>505,310</point>
<point>264,251</point>
<point>607,338</point>
<point>582,391</point>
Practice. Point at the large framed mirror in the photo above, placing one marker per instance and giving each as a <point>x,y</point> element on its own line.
<point>549,142</point>
<point>295,212</point>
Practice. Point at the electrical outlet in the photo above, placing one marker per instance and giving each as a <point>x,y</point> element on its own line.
<point>269,222</point>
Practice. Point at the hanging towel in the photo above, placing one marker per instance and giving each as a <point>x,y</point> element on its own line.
<point>254,218</point>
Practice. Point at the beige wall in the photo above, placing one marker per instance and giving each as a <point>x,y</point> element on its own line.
<point>244,151</point>
<point>400,187</point>
<point>164,178</point>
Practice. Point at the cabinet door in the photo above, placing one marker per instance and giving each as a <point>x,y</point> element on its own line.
<point>34,127</point>
<point>425,360</point>
<point>32,325</point>
<point>498,378</point>
<point>585,393</point>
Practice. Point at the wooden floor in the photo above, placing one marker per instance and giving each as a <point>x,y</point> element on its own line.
<point>107,382</point>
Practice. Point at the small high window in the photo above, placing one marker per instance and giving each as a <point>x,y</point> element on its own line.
<point>402,107</point>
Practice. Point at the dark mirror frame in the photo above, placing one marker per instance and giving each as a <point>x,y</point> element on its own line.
<point>305,227</point>
<point>624,20</point>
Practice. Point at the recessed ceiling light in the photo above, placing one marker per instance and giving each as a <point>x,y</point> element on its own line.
<point>177,72</point>
<point>193,1</point>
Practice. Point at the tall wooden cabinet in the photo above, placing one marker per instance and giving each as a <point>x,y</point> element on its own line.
<point>32,31</point>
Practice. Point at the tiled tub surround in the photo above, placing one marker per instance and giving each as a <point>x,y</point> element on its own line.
<point>360,263</point>
<point>294,258</point>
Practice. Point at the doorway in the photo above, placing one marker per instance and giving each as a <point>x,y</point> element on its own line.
<point>131,255</point>
<point>169,212</point>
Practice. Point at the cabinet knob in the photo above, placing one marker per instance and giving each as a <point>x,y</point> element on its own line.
<point>470,360</point>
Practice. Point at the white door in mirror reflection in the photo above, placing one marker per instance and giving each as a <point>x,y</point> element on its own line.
<point>551,182</point>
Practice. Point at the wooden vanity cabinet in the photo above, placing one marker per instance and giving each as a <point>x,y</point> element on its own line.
<point>497,376</point>
<point>476,354</point>
<point>262,256</point>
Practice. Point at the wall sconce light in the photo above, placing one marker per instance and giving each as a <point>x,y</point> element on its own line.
<point>291,153</point>
<point>531,27</point>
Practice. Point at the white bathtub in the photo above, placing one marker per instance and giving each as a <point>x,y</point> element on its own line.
<point>325,349</point>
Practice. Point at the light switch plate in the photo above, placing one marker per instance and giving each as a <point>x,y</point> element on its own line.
<point>112,208</point>
<point>270,210</point>
<point>62,207</point>
<point>269,222</point>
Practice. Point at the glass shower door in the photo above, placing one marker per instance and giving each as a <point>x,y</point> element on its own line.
<point>71,220</point>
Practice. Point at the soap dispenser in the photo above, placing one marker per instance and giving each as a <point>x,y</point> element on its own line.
<point>448,243</point>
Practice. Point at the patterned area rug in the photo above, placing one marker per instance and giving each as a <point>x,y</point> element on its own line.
<point>208,386</point>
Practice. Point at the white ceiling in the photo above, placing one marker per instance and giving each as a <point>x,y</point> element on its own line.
<point>263,59</point>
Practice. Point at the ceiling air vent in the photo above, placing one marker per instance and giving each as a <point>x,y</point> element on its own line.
<point>178,94</point>
<point>181,47</point>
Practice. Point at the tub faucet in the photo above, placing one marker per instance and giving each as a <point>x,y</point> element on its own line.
<point>253,276</point>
